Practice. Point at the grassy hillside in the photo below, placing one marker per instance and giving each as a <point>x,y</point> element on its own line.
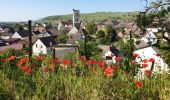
<point>98,16</point>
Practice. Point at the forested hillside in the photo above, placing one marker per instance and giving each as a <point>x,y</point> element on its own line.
<point>98,16</point>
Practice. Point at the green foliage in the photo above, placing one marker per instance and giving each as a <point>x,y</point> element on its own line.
<point>108,29</point>
<point>91,28</point>
<point>100,34</point>
<point>62,38</point>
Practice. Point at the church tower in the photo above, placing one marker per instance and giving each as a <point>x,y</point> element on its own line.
<point>76,17</point>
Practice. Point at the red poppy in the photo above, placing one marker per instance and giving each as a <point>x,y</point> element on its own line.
<point>145,60</point>
<point>112,66</point>
<point>158,54</point>
<point>66,62</point>
<point>82,58</point>
<point>118,58</point>
<point>101,63</point>
<point>40,58</point>
<point>29,71</point>
<point>55,60</point>
<point>135,55</point>
<point>45,69</point>
<point>86,63</point>
<point>33,65</point>
<point>144,65</point>
<point>93,61</point>
<point>11,58</point>
<point>25,68</point>
<point>0,52</point>
<point>132,62</point>
<point>152,60</point>
<point>24,60</point>
<point>138,84</point>
<point>112,55</point>
<point>147,72</point>
<point>4,60</point>
<point>108,71</point>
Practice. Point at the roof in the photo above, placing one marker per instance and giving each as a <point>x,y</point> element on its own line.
<point>36,32</point>
<point>54,32</point>
<point>47,40</point>
<point>23,33</point>
<point>107,48</point>
<point>34,39</point>
<point>12,39</point>
<point>5,34</point>
<point>142,45</point>
<point>13,46</point>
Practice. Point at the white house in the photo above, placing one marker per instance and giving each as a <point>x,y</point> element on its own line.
<point>109,53</point>
<point>43,45</point>
<point>147,53</point>
<point>154,30</point>
<point>150,38</point>
<point>1,29</point>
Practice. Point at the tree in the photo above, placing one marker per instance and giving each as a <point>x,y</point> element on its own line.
<point>156,15</point>
<point>108,28</point>
<point>100,34</point>
<point>91,28</point>
<point>18,27</point>
<point>62,38</point>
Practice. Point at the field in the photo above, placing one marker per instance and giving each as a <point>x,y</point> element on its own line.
<point>73,77</point>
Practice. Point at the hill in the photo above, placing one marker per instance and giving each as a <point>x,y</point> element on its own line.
<point>98,16</point>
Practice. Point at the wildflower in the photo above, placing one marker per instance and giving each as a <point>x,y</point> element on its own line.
<point>25,68</point>
<point>11,58</point>
<point>82,58</point>
<point>132,62</point>
<point>4,60</point>
<point>108,71</point>
<point>138,84</point>
<point>158,54</point>
<point>112,55</point>
<point>40,58</point>
<point>55,60</point>
<point>101,63</point>
<point>145,60</point>
<point>118,58</point>
<point>152,60</point>
<point>66,62</point>
<point>0,52</point>
<point>135,55</point>
<point>144,65</point>
<point>45,69</point>
<point>112,66</point>
<point>86,63</point>
<point>147,72</point>
<point>24,60</point>
<point>159,67</point>
<point>93,61</point>
<point>29,71</point>
<point>33,65</point>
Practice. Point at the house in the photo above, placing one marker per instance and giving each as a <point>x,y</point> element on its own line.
<point>5,35</point>
<point>75,34</point>
<point>110,52</point>
<point>43,45</point>
<point>2,42</point>
<point>1,29</point>
<point>150,38</point>
<point>61,50</point>
<point>21,34</point>
<point>12,41</point>
<point>147,52</point>
<point>39,28</point>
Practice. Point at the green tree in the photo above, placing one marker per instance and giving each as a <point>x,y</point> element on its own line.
<point>108,28</point>
<point>91,28</point>
<point>156,15</point>
<point>62,38</point>
<point>100,34</point>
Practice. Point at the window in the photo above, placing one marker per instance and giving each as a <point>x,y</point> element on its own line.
<point>71,37</point>
<point>36,45</point>
<point>108,58</point>
<point>41,46</point>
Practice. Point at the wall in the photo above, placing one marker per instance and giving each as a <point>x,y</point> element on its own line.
<point>38,50</point>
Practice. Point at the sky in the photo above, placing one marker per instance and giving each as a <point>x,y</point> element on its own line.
<point>23,10</point>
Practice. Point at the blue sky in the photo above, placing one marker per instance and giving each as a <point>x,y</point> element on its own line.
<point>22,10</point>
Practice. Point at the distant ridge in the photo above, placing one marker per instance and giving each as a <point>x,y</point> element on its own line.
<point>97,16</point>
